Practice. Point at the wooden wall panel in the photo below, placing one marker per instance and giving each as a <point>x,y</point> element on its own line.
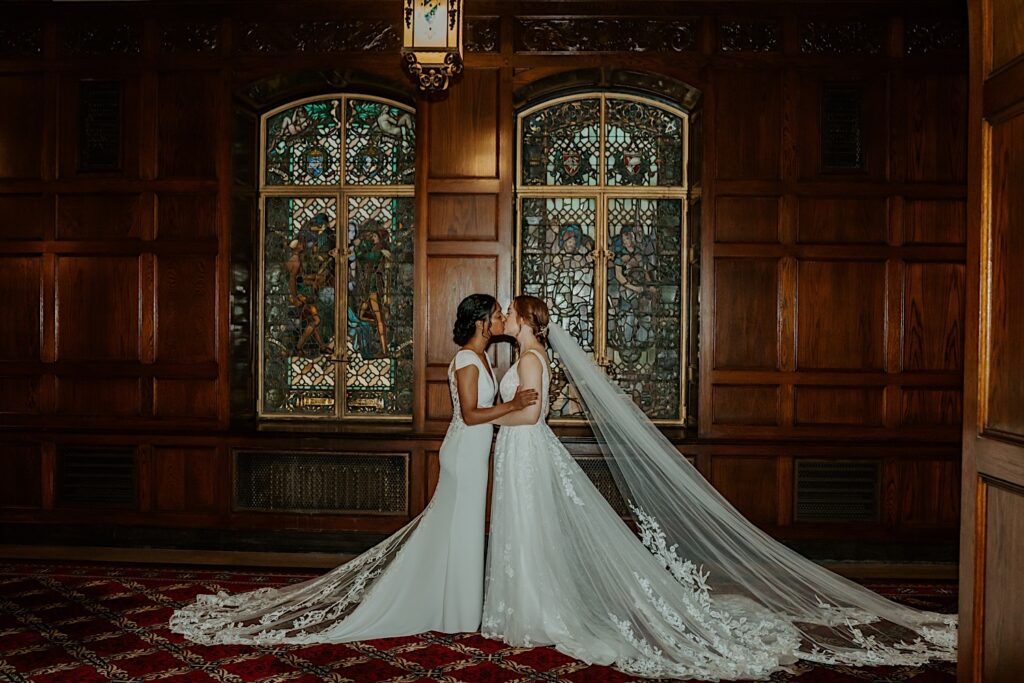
<point>186,479</point>
<point>185,398</point>
<point>857,221</point>
<point>21,125</point>
<point>439,401</point>
<point>934,317</point>
<point>923,406</point>
<point>21,472</point>
<point>20,292</point>
<point>748,117</point>
<point>449,280</point>
<point>841,315</point>
<point>463,217</point>
<point>746,313</point>
<point>99,216</point>
<point>745,405</point>
<point>831,405</point>
<point>746,219</point>
<point>937,129</point>
<point>928,493</point>
<point>750,484</point>
<point>1002,655</point>
<point>19,395</point>
<point>98,308</point>
<point>1006,319</point>
<point>1006,31</point>
<point>464,128</point>
<point>186,308</point>
<point>119,397</point>
<point>25,217</point>
<point>186,217</point>
<point>935,221</point>
<point>188,106</point>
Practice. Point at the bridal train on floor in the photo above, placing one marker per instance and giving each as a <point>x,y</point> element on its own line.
<point>702,593</point>
<point>428,576</point>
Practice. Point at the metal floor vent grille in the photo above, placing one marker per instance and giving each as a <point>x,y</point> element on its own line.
<point>332,483</point>
<point>101,477</point>
<point>837,491</point>
<point>597,469</point>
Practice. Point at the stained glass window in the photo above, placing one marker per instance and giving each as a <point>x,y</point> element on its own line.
<point>601,231</point>
<point>337,259</point>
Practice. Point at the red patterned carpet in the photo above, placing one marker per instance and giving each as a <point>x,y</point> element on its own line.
<point>83,623</point>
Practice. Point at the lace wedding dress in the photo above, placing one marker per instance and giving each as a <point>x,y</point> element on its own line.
<point>702,593</point>
<point>427,576</point>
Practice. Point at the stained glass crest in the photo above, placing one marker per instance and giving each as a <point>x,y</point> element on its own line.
<point>605,253</point>
<point>337,273</point>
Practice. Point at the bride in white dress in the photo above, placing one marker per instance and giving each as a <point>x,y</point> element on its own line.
<point>427,576</point>
<point>701,594</point>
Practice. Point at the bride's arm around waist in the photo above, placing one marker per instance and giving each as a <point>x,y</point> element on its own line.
<point>531,377</point>
<point>466,384</point>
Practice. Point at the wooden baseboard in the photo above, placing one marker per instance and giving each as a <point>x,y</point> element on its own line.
<point>926,571</point>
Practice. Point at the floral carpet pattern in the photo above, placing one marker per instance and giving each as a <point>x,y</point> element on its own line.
<point>79,623</point>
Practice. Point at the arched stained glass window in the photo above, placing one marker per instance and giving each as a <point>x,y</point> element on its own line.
<point>601,226</point>
<point>337,213</point>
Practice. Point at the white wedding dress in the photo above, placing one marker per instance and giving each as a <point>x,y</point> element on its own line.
<point>427,576</point>
<point>564,570</point>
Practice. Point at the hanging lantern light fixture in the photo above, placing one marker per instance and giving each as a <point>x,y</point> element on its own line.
<point>432,47</point>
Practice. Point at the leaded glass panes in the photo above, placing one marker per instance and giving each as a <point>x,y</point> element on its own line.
<point>644,145</point>
<point>561,144</point>
<point>601,237</point>
<point>380,144</point>
<point>557,254</point>
<point>303,145</point>
<point>299,286</point>
<point>380,284</point>
<point>337,258</point>
<point>643,346</point>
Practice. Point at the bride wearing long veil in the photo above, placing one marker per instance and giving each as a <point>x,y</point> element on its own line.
<point>702,593</point>
<point>428,575</point>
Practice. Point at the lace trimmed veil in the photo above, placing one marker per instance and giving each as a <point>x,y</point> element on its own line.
<point>686,523</point>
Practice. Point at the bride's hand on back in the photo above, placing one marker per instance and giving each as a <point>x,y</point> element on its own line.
<point>524,398</point>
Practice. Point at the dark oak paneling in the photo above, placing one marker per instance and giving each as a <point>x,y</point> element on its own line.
<point>751,484</point>
<point>748,115</point>
<point>937,129</point>
<point>746,305</point>
<point>463,217</point>
<point>934,317</point>
<point>931,407</point>
<point>21,474</point>
<point>824,405</point>
<point>19,395</point>
<point>935,221</point>
<point>187,111</point>
<point>185,398</point>
<point>843,220</point>
<point>21,125</point>
<point>186,479</point>
<point>464,128</point>
<point>186,308</point>
<point>745,405</point>
<point>747,219</point>
<point>98,308</point>
<point>98,217</point>
<point>841,315</point>
<point>20,293</point>
<point>25,217</point>
<point>107,397</point>
<point>449,279</point>
<point>186,217</point>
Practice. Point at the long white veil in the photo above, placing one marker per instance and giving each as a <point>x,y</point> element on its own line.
<point>683,519</point>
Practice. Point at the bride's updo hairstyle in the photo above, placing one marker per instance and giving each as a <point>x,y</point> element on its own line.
<point>533,312</point>
<point>474,307</point>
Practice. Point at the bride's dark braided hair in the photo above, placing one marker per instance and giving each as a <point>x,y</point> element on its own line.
<point>474,307</point>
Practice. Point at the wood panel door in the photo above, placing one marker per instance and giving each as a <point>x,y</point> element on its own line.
<point>992,532</point>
